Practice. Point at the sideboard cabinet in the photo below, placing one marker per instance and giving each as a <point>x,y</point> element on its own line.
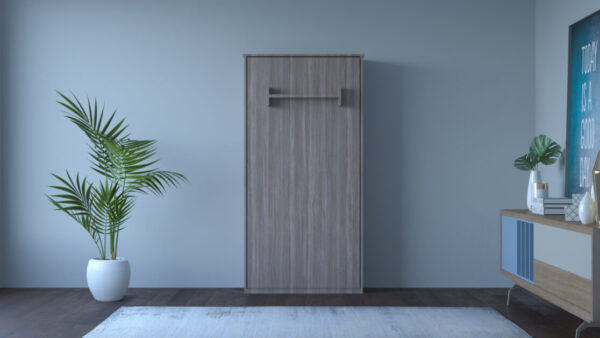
<point>554,259</point>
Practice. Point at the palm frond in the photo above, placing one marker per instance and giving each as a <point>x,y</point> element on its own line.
<point>111,207</point>
<point>90,121</point>
<point>132,160</point>
<point>157,181</point>
<point>127,166</point>
<point>74,197</point>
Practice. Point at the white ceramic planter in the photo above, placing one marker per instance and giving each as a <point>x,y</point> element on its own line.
<point>108,280</point>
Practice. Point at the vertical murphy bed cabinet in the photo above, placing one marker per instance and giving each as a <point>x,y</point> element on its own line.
<point>303,173</point>
<point>554,259</point>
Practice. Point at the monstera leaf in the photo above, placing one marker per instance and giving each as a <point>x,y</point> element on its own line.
<point>525,162</point>
<point>545,149</point>
<point>542,150</point>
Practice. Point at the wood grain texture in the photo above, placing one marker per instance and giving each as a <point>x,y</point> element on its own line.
<point>554,220</point>
<point>550,297</point>
<point>566,285</point>
<point>303,175</point>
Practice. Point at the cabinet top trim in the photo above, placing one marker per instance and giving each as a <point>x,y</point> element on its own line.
<point>304,55</point>
<point>553,220</point>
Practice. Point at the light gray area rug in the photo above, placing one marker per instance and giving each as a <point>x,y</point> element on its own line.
<point>299,321</point>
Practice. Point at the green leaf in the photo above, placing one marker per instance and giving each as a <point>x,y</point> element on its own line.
<point>93,127</point>
<point>74,199</point>
<point>541,150</point>
<point>126,165</point>
<point>544,149</point>
<point>525,162</point>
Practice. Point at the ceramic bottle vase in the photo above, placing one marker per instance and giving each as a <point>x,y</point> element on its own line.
<point>534,177</point>
<point>587,209</point>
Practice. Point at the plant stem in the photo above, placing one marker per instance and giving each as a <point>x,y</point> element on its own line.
<point>116,239</point>
<point>116,245</point>
<point>104,244</point>
<point>112,242</point>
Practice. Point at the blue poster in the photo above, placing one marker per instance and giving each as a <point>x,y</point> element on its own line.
<point>583,134</point>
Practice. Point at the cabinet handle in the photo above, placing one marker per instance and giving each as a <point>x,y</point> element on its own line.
<point>271,96</point>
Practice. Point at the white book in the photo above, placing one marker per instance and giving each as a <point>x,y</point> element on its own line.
<point>539,209</point>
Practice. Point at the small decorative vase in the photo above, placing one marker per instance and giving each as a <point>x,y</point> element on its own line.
<point>107,279</point>
<point>541,190</point>
<point>534,177</point>
<point>587,209</point>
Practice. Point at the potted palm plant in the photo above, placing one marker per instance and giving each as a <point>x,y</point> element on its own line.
<point>541,150</point>
<point>126,169</point>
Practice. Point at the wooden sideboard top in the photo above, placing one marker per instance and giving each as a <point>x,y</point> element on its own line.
<point>553,220</point>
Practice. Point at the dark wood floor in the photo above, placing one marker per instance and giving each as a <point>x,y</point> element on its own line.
<point>73,312</point>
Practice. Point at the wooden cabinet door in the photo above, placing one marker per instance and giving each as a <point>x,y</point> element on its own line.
<point>303,174</point>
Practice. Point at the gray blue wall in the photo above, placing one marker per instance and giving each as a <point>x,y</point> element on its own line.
<point>553,18</point>
<point>448,102</point>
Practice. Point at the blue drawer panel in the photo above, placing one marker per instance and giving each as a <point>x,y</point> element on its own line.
<point>509,244</point>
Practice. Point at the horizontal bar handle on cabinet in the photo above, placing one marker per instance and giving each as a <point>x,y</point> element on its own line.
<point>271,96</point>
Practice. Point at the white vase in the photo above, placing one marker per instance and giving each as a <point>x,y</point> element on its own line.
<point>108,280</point>
<point>534,177</point>
<point>587,209</point>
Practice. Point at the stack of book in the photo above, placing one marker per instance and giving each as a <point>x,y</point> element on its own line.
<point>550,205</point>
